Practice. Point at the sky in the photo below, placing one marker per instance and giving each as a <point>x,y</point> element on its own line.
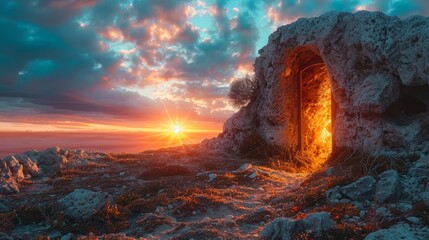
<point>137,65</point>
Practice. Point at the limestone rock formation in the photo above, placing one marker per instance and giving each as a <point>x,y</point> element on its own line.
<point>81,204</point>
<point>49,162</point>
<point>377,67</point>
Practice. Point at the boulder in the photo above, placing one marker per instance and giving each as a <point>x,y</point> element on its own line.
<point>399,232</point>
<point>362,189</point>
<point>388,187</point>
<point>317,222</point>
<point>82,204</point>
<point>279,228</point>
<point>333,195</point>
<point>285,228</point>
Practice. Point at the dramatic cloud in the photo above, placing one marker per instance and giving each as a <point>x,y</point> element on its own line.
<point>107,61</point>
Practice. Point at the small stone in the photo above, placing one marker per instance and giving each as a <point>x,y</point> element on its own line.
<point>245,167</point>
<point>170,206</point>
<point>105,176</point>
<point>253,175</point>
<point>194,213</point>
<point>414,220</point>
<point>68,236</point>
<point>362,214</point>
<point>381,212</point>
<point>121,174</point>
<point>333,195</point>
<point>329,171</point>
<point>212,176</point>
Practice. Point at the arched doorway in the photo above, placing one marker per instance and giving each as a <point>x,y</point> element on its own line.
<point>316,111</point>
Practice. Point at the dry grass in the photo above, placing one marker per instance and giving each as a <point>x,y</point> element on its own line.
<point>7,221</point>
<point>422,211</point>
<point>357,163</point>
<point>154,173</point>
<point>256,217</point>
<point>153,221</point>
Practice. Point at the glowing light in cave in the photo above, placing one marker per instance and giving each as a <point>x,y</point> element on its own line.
<point>316,114</point>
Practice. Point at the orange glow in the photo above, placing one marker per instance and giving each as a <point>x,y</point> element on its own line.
<point>317,116</point>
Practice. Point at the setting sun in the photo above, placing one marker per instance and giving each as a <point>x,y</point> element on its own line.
<point>177,129</point>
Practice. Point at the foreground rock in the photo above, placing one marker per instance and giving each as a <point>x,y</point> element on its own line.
<point>388,187</point>
<point>399,232</point>
<point>82,204</point>
<point>285,228</point>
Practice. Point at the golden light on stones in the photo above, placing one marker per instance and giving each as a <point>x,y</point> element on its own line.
<point>316,113</point>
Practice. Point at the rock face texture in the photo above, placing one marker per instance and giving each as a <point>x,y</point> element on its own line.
<point>33,164</point>
<point>377,67</point>
<point>81,204</point>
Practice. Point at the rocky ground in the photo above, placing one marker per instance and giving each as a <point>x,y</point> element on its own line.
<point>186,193</point>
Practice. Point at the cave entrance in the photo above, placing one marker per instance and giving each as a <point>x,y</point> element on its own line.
<point>316,111</point>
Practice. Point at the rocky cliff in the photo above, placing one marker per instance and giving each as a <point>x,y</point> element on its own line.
<point>378,68</point>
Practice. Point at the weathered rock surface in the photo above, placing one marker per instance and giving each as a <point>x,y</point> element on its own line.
<point>378,69</point>
<point>388,187</point>
<point>284,228</point>
<point>49,162</point>
<point>399,232</point>
<point>82,204</point>
<point>361,189</point>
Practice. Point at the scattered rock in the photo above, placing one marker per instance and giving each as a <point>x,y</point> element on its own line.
<point>411,187</point>
<point>82,204</point>
<point>279,228</point>
<point>398,232</point>
<point>212,177</point>
<point>317,222</point>
<point>245,167</point>
<point>362,189</point>
<point>388,187</point>
<point>121,174</point>
<point>68,236</point>
<point>382,212</point>
<point>333,195</point>
<point>284,228</point>
<point>105,176</point>
<point>414,220</point>
<point>253,175</point>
